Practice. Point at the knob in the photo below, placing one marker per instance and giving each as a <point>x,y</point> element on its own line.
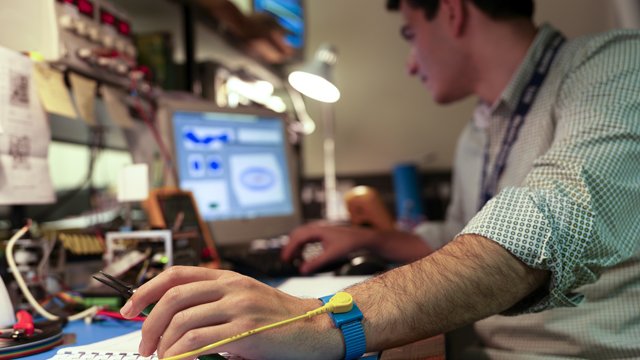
<point>120,45</point>
<point>104,61</point>
<point>85,54</point>
<point>67,22</point>
<point>121,68</point>
<point>130,50</point>
<point>81,28</point>
<point>94,33</point>
<point>108,40</point>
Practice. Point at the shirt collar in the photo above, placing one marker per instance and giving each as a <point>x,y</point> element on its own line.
<point>509,96</point>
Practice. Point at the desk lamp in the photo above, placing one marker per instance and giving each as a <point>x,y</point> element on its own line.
<point>314,80</point>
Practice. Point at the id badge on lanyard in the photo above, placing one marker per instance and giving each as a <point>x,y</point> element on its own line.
<point>489,183</point>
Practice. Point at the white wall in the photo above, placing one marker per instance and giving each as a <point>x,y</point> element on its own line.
<point>69,164</point>
<point>384,116</point>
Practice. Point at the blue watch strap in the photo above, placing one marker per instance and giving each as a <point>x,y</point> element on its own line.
<point>350,325</point>
<point>354,341</point>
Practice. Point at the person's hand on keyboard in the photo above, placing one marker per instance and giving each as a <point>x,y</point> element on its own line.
<point>338,242</point>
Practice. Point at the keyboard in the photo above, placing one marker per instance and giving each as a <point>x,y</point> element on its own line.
<point>262,258</point>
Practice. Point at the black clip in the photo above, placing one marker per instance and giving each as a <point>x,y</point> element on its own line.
<point>126,290</point>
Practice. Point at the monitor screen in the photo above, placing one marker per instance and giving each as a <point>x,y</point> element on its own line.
<point>290,14</point>
<point>234,164</point>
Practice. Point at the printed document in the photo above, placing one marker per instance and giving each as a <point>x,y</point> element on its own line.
<point>24,135</point>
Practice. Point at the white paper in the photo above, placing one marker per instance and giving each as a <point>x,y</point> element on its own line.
<point>133,183</point>
<point>84,94</point>
<point>24,135</point>
<point>53,92</point>
<point>127,343</point>
<point>317,286</point>
<point>114,101</point>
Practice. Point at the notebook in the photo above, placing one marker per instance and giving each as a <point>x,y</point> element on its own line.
<point>123,347</point>
<point>241,169</point>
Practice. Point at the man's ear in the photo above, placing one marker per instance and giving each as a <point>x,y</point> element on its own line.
<point>456,15</point>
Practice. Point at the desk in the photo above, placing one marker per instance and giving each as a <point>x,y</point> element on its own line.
<point>429,349</point>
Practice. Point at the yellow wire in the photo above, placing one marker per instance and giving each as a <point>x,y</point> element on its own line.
<point>321,310</point>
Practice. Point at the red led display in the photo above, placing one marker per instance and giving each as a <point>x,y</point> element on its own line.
<point>107,18</point>
<point>85,7</point>
<point>124,28</point>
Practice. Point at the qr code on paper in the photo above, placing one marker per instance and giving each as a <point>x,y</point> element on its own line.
<point>19,89</point>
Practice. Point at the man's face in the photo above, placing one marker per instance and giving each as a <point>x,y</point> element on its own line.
<point>434,57</point>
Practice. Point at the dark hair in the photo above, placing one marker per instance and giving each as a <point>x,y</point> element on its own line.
<point>496,9</point>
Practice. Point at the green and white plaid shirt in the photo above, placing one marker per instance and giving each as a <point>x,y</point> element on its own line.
<point>569,200</point>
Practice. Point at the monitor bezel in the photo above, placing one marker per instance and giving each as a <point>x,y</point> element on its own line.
<point>237,231</point>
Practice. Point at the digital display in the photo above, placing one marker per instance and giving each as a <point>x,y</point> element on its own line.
<point>85,7</point>
<point>290,14</point>
<point>234,164</point>
<point>124,28</point>
<point>107,18</point>
<point>72,2</point>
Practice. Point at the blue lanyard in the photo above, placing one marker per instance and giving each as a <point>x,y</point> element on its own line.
<point>489,184</point>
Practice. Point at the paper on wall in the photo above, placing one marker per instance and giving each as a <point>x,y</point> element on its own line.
<point>114,101</point>
<point>84,93</point>
<point>24,135</point>
<point>30,185</point>
<point>133,183</point>
<point>53,91</point>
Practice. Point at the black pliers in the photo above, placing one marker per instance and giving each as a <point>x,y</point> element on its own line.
<point>126,290</point>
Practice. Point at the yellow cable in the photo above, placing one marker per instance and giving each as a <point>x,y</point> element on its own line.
<point>339,303</point>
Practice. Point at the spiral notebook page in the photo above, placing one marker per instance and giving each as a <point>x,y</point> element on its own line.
<point>120,347</point>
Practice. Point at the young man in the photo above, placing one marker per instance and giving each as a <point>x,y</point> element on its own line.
<point>557,246</point>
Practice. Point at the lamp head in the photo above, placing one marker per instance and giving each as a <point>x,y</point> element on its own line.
<point>314,78</point>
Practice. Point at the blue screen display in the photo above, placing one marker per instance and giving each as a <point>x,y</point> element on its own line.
<point>235,164</point>
<point>289,13</point>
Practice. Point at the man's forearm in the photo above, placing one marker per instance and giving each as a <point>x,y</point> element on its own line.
<point>467,280</point>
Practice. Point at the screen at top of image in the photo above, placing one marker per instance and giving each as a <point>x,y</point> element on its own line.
<point>234,164</point>
<point>290,15</point>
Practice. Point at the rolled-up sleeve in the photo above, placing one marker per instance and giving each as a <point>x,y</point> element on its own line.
<point>577,212</point>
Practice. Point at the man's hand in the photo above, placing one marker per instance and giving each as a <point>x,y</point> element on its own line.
<point>196,307</point>
<point>338,241</point>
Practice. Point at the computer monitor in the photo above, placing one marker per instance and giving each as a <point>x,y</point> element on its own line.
<point>290,14</point>
<point>239,166</point>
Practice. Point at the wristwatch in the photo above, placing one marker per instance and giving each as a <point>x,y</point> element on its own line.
<point>350,324</point>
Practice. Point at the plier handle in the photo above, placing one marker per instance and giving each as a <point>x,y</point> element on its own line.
<point>126,290</point>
